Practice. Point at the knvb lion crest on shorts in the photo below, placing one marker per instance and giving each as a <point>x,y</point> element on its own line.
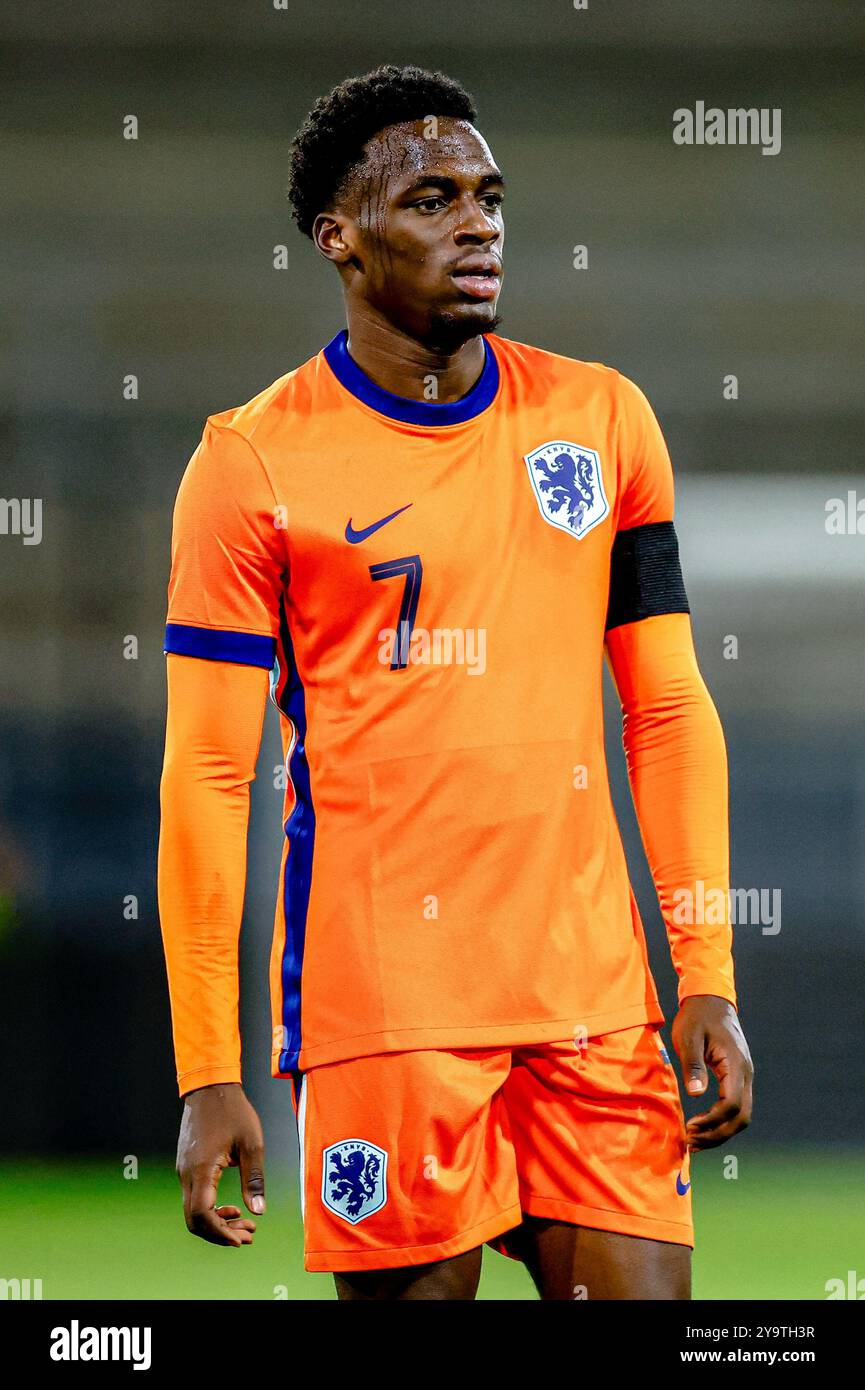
<point>568,486</point>
<point>354,1179</point>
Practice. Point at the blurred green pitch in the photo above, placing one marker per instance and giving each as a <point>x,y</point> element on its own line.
<point>790,1222</point>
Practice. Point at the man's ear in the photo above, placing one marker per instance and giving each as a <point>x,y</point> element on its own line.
<point>334,237</point>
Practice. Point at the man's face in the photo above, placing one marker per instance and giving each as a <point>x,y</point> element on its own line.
<point>425,230</point>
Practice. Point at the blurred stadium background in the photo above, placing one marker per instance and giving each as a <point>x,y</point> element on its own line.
<point>155,257</point>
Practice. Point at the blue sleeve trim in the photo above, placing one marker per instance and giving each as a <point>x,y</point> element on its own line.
<point>243,648</point>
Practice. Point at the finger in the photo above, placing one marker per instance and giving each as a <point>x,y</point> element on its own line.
<point>235,1219</point>
<point>728,1065</point>
<point>199,1188</point>
<point>721,1113</point>
<point>199,1205</point>
<point>691,1047</point>
<point>728,1116</point>
<point>721,1123</point>
<point>733,1077</point>
<point>251,1158</point>
<point>712,1138</point>
<point>211,1226</point>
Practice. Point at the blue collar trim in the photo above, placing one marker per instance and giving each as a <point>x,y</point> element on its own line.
<point>409,412</point>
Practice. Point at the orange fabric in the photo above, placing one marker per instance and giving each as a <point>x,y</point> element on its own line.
<point>453,874</point>
<point>228,557</point>
<point>677,764</point>
<point>215,716</point>
<point>466,1141</point>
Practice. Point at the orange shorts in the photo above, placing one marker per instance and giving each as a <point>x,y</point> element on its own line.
<point>411,1157</point>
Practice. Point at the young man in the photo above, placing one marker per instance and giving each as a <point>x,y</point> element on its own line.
<point>427,536</point>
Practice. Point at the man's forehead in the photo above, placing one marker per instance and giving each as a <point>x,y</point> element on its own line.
<point>439,145</point>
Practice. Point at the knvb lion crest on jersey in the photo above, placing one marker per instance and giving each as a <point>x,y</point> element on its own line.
<point>354,1179</point>
<point>568,485</point>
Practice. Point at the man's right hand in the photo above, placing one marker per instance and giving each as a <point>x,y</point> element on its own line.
<point>220,1130</point>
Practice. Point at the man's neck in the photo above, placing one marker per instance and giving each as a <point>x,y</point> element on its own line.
<point>408,368</point>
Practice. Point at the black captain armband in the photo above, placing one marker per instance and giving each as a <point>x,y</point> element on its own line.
<point>645,575</point>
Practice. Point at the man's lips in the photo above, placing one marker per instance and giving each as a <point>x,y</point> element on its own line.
<point>480,279</point>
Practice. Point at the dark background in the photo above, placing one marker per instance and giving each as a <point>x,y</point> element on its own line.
<point>155,257</point>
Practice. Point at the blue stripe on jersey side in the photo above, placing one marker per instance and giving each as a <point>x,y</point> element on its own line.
<point>300,832</point>
<point>410,412</point>
<point>215,644</point>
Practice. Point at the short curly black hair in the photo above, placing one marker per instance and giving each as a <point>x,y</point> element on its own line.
<point>330,142</point>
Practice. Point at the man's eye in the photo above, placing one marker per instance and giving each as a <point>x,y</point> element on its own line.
<point>493,200</point>
<point>430,204</point>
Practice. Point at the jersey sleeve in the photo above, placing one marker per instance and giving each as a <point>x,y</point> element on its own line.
<point>212,737</point>
<point>644,461</point>
<point>645,574</point>
<point>227,579</point>
<point>674,744</point>
<point>677,767</point>
<point>228,558</point>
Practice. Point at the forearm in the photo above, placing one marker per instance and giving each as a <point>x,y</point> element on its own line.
<point>677,765</point>
<point>213,731</point>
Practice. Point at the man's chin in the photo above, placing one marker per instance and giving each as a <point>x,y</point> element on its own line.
<point>449,329</point>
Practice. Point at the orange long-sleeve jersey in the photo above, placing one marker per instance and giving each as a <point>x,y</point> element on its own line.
<point>431,590</point>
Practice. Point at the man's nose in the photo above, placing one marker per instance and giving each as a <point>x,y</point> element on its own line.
<point>476,225</point>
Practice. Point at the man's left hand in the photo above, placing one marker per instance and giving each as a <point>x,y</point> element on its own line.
<point>707,1034</point>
